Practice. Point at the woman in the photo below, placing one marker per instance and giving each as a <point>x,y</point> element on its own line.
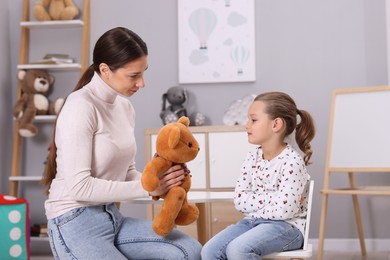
<point>91,164</point>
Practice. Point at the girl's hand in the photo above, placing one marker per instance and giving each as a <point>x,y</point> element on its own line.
<point>173,177</point>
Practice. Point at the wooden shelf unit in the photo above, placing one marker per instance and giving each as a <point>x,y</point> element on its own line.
<point>26,27</point>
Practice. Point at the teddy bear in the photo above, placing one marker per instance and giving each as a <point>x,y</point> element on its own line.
<point>46,10</point>
<point>35,85</point>
<point>175,144</point>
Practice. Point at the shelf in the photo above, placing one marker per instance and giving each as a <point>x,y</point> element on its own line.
<point>53,24</point>
<point>72,66</point>
<point>33,238</point>
<point>25,178</point>
<point>45,119</point>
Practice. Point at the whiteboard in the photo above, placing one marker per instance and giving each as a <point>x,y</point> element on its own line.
<point>359,132</point>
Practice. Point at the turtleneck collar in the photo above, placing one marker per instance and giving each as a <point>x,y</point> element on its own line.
<point>101,90</point>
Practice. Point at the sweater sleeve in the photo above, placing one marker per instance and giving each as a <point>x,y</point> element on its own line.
<point>246,196</point>
<point>285,202</point>
<point>133,174</point>
<point>276,196</point>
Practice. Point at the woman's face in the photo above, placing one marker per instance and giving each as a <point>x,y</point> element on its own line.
<point>128,79</point>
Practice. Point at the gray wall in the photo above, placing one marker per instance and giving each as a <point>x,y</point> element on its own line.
<point>306,48</point>
<point>5,98</point>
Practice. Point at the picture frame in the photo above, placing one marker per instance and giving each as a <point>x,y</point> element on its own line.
<point>216,40</point>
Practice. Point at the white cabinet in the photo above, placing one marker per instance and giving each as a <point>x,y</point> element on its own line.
<point>218,164</point>
<point>227,151</point>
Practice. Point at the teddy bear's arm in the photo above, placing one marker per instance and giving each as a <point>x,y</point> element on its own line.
<point>39,10</point>
<point>150,180</point>
<point>19,106</point>
<point>70,11</point>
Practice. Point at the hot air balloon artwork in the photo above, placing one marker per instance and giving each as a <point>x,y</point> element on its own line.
<point>216,41</point>
<point>202,22</point>
<point>239,55</point>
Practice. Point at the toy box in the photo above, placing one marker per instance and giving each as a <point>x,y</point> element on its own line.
<point>14,228</point>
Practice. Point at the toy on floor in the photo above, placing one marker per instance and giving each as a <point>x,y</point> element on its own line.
<point>14,228</point>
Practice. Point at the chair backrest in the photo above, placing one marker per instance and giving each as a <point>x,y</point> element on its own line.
<point>308,216</point>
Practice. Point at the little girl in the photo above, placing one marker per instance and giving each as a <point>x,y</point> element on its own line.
<point>271,190</point>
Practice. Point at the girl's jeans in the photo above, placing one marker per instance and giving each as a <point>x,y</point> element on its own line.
<point>101,232</point>
<point>252,239</point>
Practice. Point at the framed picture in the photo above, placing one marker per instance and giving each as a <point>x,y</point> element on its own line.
<point>216,41</point>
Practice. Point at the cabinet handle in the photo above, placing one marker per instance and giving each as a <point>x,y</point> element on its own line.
<point>215,220</point>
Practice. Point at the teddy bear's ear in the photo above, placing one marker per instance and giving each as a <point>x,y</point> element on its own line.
<point>51,79</point>
<point>184,120</point>
<point>174,137</point>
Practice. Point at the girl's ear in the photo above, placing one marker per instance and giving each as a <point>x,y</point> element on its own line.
<point>278,125</point>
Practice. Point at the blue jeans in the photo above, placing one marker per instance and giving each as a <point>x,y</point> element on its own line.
<point>252,239</point>
<point>101,232</point>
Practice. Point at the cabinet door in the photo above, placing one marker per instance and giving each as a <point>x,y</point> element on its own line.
<point>223,214</point>
<point>196,166</point>
<point>227,152</point>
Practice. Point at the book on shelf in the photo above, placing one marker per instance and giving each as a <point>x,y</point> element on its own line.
<point>39,230</point>
<point>53,58</point>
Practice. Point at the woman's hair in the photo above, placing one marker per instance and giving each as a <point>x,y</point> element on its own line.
<point>281,105</point>
<point>116,48</point>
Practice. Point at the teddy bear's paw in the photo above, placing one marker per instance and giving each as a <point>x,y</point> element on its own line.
<point>40,13</point>
<point>55,107</point>
<point>19,115</point>
<point>187,215</point>
<point>27,132</point>
<point>69,13</point>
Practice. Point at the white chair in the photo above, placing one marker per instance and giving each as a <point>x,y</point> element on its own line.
<point>307,250</point>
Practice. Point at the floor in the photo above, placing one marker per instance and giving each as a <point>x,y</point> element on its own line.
<point>354,256</point>
<point>328,256</point>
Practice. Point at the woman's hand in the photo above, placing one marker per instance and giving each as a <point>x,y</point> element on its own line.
<point>172,178</point>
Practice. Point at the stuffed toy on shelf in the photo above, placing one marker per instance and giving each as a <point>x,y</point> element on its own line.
<point>46,10</point>
<point>175,144</point>
<point>176,97</point>
<point>35,85</point>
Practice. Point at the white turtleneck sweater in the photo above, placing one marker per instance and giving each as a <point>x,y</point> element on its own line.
<point>95,150</point>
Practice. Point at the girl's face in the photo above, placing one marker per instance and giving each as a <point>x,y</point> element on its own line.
<point>128,79</point>
<point>259,126</point>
